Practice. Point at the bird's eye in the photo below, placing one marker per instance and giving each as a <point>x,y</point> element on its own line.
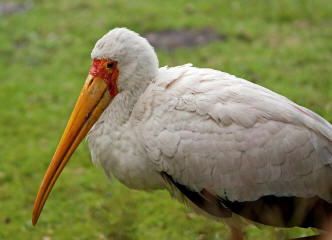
<point>110,65</point>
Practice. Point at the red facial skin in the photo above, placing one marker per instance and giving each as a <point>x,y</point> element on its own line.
<point>109,75</point>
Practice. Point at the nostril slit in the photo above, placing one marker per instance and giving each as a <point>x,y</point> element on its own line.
<point>90,82</point>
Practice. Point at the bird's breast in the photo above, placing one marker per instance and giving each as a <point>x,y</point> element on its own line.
<point>120,153</point>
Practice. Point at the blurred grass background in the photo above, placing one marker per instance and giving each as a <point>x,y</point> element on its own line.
<point>44,59</point>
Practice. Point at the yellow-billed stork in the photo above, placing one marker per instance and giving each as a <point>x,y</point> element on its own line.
<point>224,145</point>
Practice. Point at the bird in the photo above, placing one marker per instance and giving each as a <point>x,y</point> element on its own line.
<point>228,148</point>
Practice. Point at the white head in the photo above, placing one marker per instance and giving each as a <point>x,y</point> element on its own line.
<point>135,57</point>
<point>122,62</point>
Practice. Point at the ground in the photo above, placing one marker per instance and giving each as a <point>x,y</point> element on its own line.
<point>44,59</point>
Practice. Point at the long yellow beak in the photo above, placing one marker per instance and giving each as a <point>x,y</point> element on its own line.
<point>93,100</point>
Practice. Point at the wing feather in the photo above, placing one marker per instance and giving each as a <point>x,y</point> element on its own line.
<point>210,130</point>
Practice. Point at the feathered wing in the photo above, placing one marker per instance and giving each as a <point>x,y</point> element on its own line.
<point>210,131</point>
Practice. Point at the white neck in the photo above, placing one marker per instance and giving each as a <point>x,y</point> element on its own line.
<point>112,140</point>
<point>118,112</point>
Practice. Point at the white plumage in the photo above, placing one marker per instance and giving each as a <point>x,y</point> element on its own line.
<point>209,129</point>
<point>218,139</point>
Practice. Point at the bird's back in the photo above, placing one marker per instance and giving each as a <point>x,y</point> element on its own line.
<point>212,131</point>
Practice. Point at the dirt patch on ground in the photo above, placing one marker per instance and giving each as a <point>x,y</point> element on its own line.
<point>7,8</point>
<point>173,39</point>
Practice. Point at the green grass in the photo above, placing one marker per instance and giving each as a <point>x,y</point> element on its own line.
<point>44,59</point>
